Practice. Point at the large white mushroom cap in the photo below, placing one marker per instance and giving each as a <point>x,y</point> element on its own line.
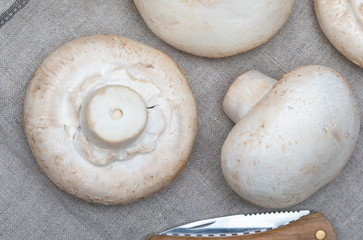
<point>294,141</point>
<point>110,120</point>
<point>342,23</point>
<point>215,28</point>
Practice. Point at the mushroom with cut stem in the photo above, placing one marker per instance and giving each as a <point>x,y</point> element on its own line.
<point>110,120</point>
<point>342,23</point>
<point>292,138</point>
<point>215,28</point>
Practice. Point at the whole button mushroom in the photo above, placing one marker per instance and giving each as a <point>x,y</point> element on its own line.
<point>342,23</point>
<point>215,28</point>
<point>292,137</point>
<point>110,120</point>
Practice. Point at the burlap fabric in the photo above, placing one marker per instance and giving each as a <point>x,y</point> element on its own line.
<point>32,207</point>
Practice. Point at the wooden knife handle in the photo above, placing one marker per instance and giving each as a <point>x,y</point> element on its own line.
<point>310,227</point>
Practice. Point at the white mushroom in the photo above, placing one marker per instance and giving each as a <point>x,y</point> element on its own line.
<point>215,28</point>
<point>295,140</point>
<point>342,23</point>
<point>110,120</point>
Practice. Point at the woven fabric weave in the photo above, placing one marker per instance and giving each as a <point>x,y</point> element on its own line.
<point>32,207</point>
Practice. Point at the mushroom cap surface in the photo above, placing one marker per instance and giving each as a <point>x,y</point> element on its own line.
<point>106,175</point>
<point>215,28</point>
<point>342,23</point>
<point>294,141</point>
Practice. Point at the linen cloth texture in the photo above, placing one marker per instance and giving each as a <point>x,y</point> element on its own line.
<point>32,207</point>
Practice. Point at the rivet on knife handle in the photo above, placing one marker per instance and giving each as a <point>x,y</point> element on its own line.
<point>309,227</point>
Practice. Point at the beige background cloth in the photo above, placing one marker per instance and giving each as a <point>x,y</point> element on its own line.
<point>32,207</point>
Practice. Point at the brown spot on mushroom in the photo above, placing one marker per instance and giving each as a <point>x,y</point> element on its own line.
<point>235,176</point>
<point>309,170</point>
<point>102,91</point>
<point>336,135</point>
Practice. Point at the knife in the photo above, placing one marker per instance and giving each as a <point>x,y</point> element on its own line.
<point>298,225</point>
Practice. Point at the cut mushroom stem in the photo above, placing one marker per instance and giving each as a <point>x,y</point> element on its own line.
<point>113,116</point>
<point>247,90</point>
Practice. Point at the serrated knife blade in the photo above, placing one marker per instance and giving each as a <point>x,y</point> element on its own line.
<point>294,225</point>
<point>237,224</point>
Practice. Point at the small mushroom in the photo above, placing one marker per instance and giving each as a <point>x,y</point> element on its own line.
<point>342,23</point>
<point>215,28</point>
<point>294,140</point>
<point>110,120</point>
